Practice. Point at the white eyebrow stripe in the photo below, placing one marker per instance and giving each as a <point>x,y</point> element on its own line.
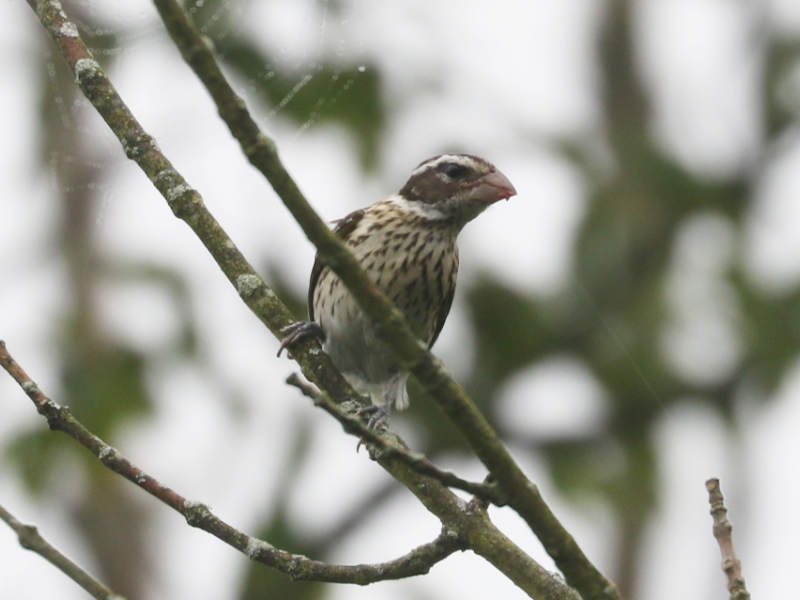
<point>466,161</point>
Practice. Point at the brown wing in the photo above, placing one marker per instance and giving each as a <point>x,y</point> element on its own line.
<point>344,227</point>
<point>448,302</point>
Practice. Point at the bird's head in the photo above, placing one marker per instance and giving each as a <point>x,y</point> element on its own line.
<point>456,187</point>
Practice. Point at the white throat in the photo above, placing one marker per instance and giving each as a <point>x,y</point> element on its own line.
<point>423,209</point>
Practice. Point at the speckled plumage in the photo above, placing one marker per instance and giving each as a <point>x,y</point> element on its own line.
<point>407,246</point>
<point>414,261</point>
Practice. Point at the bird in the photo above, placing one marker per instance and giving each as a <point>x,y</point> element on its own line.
<point>406,243</point>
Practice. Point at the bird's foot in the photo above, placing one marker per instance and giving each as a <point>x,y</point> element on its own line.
<point>298,331</point>
<point>378,417</point>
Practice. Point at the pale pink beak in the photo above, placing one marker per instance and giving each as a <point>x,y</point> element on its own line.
<point>502,187</point>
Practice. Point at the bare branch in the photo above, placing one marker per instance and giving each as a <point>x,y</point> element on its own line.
<point>416,562</point>
<point>388,444</point>
<point>260,150</point>
<point>723,532</point>
<point>30,539</point>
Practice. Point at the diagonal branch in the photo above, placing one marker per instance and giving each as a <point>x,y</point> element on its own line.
<point>470,524</point>
<point>723,531</point>
<point>396,448</point>
<point>416,562</point>
<point>184,201</point>
<point>260,150</point>
<point>30,539</point>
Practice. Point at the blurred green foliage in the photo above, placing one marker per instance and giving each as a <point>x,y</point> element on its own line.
<point>323,91</point>
<point>346,96</point>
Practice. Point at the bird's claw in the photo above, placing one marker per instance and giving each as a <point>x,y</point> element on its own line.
<point>300,330</point>
<point>378,417</point>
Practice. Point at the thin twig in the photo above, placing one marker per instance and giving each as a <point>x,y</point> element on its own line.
<point>416,562</point>
<point>30,539</point>
<point>523,495</point>
<point>387,444</point>
<point>723,532</point>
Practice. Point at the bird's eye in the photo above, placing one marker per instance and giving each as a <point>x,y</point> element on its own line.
<point>454,170</point>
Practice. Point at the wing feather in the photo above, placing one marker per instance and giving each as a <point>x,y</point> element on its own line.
<point>343,228</point>
<point>447,303</point>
